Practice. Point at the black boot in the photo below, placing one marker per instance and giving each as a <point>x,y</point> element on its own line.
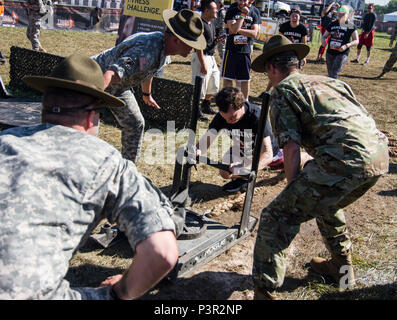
<point>206,107</point>
<point>201,115</point>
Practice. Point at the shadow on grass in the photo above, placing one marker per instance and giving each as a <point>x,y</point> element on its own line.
<point>377,292</point>
<point>201,287</point>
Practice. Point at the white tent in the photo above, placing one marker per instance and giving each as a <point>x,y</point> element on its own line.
<point>390,17</point>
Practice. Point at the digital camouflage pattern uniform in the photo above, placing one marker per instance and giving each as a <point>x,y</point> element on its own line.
<point>134,60</point>
<point>219,30</point>
<point>393,57</point>
<point>34,22</point>
<point>323,116</point>
<point>57,184</point>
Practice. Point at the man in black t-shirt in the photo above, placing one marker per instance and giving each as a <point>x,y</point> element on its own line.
<point>368,34</point>
<point>293,29</point>
<point>242,26</point>
<point>240,120</point>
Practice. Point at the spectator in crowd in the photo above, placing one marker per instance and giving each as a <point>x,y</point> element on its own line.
<point>367,36</point>
<point>328,15</point>
<point>220,28</point>
<point>343,36</point>
<point>242,24</point>
<point>203,61</point>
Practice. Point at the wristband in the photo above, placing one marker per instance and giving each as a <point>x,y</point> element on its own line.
<point>243,15</point>
<point>146,94</point>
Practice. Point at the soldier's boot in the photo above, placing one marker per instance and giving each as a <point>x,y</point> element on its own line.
<point>332,267</point>
<point>263,294</point>
<point>42,49</point>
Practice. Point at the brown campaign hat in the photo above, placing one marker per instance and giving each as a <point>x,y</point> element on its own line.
<point>78,73</point>
<point>277,44</point>
<point>187,26</point>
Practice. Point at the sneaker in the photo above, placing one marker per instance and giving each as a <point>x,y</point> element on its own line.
<point>354,61</point>
<point>365,63</point>
<point>235,185</point>
<point>278,161</point>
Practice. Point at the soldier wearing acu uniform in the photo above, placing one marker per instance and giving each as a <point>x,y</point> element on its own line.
<point>393,57</point>
<point>59,181</point>
<point>36,10</point>
<point>349,153</point>
<point>136,60</point>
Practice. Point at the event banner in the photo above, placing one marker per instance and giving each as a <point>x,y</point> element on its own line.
<point>64,17</point>
<point>142,16</point>
<point>148,9</point>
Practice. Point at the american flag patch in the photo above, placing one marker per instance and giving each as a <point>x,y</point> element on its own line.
<point>142,63</point>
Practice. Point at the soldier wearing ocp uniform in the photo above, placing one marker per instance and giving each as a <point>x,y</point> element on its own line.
<point>393,56</point>
<point>323,116</point>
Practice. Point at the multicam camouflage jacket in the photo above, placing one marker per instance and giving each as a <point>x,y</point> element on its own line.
<point>135,59</point>
<point>323,116</point>
<point>57,184</point>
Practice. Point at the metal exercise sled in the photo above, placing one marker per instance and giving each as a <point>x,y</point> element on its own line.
<point>201,239</point>
<point>204,239</point>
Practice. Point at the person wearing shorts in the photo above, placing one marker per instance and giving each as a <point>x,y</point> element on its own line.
<point>242,24</point>
<point>368,34</point>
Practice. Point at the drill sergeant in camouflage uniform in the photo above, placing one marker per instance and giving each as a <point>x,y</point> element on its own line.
<point>135,60</point>
<point>393,57</point>
<point>36,10</point>
<point>349,153</point>
<point>59,181</point>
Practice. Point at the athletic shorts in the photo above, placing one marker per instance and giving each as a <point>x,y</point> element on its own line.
<point>369,42</point>
<point>236,66</point>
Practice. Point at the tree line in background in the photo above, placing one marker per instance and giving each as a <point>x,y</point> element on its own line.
<point>390,7</point>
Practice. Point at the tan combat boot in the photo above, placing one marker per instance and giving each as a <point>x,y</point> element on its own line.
<point>339,267</point>
<point>263,294</point>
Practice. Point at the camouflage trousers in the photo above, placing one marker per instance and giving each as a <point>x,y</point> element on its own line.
<point>313,194</point>
<point>132,123</point>
<point>391,61</point>
<point>33,30</point>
